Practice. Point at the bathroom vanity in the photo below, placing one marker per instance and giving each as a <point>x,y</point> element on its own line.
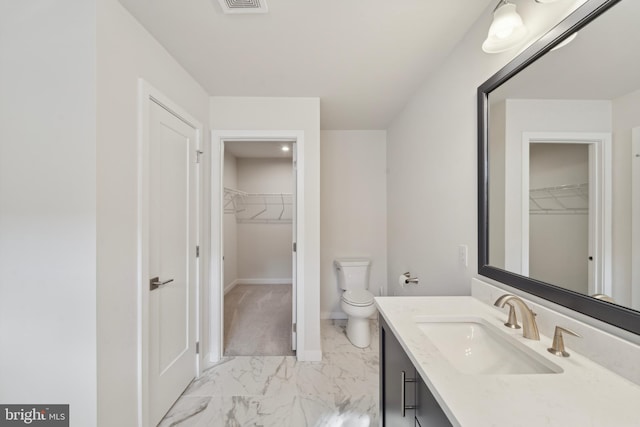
<point>406,399</point>
<point>450,361</point>
<point>453,358</point>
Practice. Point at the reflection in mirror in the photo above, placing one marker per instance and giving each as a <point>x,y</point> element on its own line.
<point>559,216</point>
<point>564,163</point>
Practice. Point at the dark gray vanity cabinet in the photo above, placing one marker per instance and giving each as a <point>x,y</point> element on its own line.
<point>428,411</point>
<point>397,391</point>
<point>405,400</point>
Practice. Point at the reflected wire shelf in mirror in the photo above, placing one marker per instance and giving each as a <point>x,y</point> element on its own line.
<point>572,199</point>
<point>259,208</point>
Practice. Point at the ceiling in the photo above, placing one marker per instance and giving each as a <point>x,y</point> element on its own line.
<point>363,58</point>
<point>258,149</point>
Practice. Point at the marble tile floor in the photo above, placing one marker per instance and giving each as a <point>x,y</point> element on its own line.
<point>279,391</point>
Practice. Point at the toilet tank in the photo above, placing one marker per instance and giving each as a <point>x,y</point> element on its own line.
<point>352,273</point>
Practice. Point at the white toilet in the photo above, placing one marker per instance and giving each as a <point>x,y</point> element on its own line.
<point>357,301</point>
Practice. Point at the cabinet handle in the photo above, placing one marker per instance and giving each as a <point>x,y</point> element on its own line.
<point>404,380</point>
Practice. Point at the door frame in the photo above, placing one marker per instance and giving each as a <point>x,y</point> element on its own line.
<point>146,95</point>
<point>635,218</point>
<point>599,199</point>
<point>216,302</point>
<point>294,250</point>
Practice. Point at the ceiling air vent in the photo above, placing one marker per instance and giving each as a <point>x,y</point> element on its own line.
<point>244,6</point>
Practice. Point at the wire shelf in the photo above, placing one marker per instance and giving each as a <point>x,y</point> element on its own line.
<point>570,199</point>
<point>259,208</point>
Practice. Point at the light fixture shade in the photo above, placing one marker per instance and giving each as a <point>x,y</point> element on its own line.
<point>507,30</point>
<point>565,41</point>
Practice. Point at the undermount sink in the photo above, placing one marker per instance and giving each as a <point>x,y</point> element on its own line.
<point>473,346</point>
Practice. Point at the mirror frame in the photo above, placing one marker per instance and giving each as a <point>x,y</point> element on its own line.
<point>613,314</point>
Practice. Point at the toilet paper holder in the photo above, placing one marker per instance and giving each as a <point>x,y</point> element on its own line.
<point>408,279</point>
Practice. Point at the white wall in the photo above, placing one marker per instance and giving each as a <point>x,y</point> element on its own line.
<point>353,199</point>
<point>626,116</point>
<point>127,52</point>
<point>265,175</point>
<point>557,164</point>
<point>497,128</point>
<point>264,249</point>
<point>431,157</point>
<point>264,253</point>
<point>47,205</point>
<point>230,227</point>
<point>301,114</point>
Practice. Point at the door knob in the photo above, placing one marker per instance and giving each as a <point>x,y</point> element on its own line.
<point>155,283</point>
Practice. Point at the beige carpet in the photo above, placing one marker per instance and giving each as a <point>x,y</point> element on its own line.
<point>257,321</point>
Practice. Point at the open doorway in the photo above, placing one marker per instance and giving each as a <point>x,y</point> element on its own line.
<point>559,215</point>
<point>566,210</point>
<point>258,235</point>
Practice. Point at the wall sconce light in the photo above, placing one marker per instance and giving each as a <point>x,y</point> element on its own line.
<point>507,29</point>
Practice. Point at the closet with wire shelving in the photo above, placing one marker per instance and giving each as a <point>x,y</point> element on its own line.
<point>559,214</point>
<point>258,213</point>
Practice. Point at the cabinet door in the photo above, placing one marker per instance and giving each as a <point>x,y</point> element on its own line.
<point>394,366</point>
<point>428,411</point>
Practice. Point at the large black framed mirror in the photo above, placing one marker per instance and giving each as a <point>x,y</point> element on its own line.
<point>559,166</point>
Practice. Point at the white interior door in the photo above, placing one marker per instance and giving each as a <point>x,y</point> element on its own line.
<point>172,259</point>
<point>294,254</point>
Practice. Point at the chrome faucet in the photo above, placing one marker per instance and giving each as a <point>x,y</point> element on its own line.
<point>529,326</point>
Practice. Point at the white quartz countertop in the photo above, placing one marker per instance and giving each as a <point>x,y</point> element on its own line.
<point>584,394</point>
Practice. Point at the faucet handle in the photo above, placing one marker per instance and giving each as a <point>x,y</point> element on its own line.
<point>512,321</point>
<point>557,347</point>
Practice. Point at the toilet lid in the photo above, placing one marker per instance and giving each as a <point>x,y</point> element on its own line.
<point>358,297</point>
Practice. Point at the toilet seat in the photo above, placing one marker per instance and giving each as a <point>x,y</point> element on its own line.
<point>358,297</point>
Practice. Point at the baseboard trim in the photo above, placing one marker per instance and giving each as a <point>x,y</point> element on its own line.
<point>339,315</point>
<point>206,362</point>
<point>236,282</point>
<point>232,285</point>
<point>309,356</point>
<point>332,315</point>
<point>286,281</point>
<point>212,359</point>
